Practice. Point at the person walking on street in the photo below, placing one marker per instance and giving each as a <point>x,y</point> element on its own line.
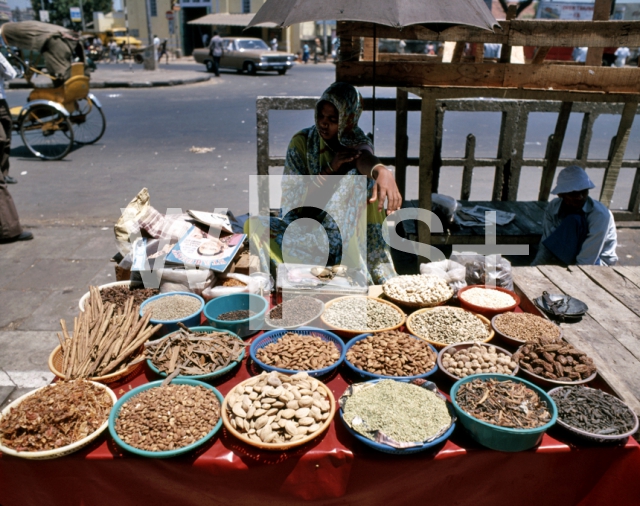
<point>305,53</point>
<point>216,50</point>
<point>10,229</point>
<point>274,44</point>
<point>163,51</point>
<point>205,39</point>
<point>317,51</point>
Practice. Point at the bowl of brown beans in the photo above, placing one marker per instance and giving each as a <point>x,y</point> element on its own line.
<point>517,329</point>
<point>315,351</point>
<point>391,355</point>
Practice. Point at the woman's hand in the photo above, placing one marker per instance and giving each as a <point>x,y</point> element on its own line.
<point>385,187</point>
<point>342,158</point>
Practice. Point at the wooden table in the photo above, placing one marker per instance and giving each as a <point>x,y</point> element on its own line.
<point>610,331</point>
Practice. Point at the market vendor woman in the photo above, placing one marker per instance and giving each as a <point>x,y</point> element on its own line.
<point>577,230</point>
<point>336,146</point>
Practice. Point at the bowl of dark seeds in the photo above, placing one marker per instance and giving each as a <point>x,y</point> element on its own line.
<point>169,309</point>
<point>293,313</point>
<point>119,292</point>
<point>240,313</point>
<point>594,415</point>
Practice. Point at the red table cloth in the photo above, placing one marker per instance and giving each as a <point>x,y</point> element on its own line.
<point>333,469</point>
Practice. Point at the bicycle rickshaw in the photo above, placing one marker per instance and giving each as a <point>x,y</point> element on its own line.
<point>55,117</point>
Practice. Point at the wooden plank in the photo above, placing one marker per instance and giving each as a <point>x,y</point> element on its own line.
<point>617,285</point>
<point>430,58</point>
<point>427,156</point>
<point>536,32</point>
<point>457,52</point>
<point>619,369</point>
<point>601,12</point>
<point>540,55</point>
<point>467,171</point>
<point>620,145</point>
<point>603,307</point>
<point>631,274</point>
<point>402,140</point>
<point>489,75</point>
<point>505,53</point>
<point>553,152</point>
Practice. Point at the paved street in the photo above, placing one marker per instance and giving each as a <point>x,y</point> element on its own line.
<point>72,204</point>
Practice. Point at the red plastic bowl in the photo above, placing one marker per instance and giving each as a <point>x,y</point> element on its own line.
<point>487,312</point>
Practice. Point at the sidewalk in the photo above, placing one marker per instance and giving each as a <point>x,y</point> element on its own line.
<point>43,279</point>
<point>112,75</point>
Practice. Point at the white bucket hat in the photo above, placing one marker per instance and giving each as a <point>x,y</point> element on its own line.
<point>572,179</point>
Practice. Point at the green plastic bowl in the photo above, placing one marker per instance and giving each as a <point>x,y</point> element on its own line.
<point>499,438</point>
<point>212,375</point>
<point>115,411</point>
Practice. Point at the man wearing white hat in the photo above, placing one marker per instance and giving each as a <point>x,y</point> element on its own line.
<point>577,230</point>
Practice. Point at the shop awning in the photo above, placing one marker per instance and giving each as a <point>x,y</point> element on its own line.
<point>224,19</point>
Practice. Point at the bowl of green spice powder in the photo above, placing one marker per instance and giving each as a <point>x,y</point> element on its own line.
<point>397,416</point>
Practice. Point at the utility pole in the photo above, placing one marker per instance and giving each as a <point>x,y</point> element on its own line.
<point>126,25</point>
<point>84,29</point>
<point>148,8</point>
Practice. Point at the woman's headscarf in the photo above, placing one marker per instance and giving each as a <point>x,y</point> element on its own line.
<point>348,102</point>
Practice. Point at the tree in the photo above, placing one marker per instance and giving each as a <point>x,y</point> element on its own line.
<point>59,10</point>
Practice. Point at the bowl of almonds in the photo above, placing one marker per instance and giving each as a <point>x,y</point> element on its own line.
<point>275,411</point>
<point>315,351</point>
<point>391,354</point>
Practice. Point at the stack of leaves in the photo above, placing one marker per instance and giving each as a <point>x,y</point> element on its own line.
<point>192,353</point>
<point>105,340</point>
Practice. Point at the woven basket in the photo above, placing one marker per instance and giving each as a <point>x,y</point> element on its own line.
<point>279,446</point>
<point>437,344</point>
<point>274,336</point>
<point>58,452</point>
<point>353,333</point>
<point>127,374</point>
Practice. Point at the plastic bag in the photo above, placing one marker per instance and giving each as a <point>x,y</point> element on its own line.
<point>485,270</point>
<point>444,207</point>
<point>252,285</point>
<point>452,273</point>
<point>185,280</point>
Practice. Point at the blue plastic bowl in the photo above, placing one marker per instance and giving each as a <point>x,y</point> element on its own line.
<point>204,377</point>
<point>115,411</point>
<point>400,451</point>
<point>274,335</point>
<point>169,326</point>
<point>369,375</point>
<point>502,438</point>
<point>237,302</point>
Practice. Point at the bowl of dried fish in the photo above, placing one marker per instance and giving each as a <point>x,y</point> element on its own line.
<point>390,355</point>
<point>86,405</point>
<point>241,313</point>
<point>256,413</point>
<point>315,351</point>
<point>445,325</point>
<point>502,412</point>
<point>594,415</point>
<point>383,414</point>
<point>195,406</point>
<point>199,353</point>
<point>550,363</point>
<point>353,315</point>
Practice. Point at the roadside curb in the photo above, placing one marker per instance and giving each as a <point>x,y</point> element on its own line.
<point>126,84</point>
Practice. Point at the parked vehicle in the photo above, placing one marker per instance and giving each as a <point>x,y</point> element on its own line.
<point>247,54</point>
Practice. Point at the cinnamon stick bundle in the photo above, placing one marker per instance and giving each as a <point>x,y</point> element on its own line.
<point>104,340</point>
